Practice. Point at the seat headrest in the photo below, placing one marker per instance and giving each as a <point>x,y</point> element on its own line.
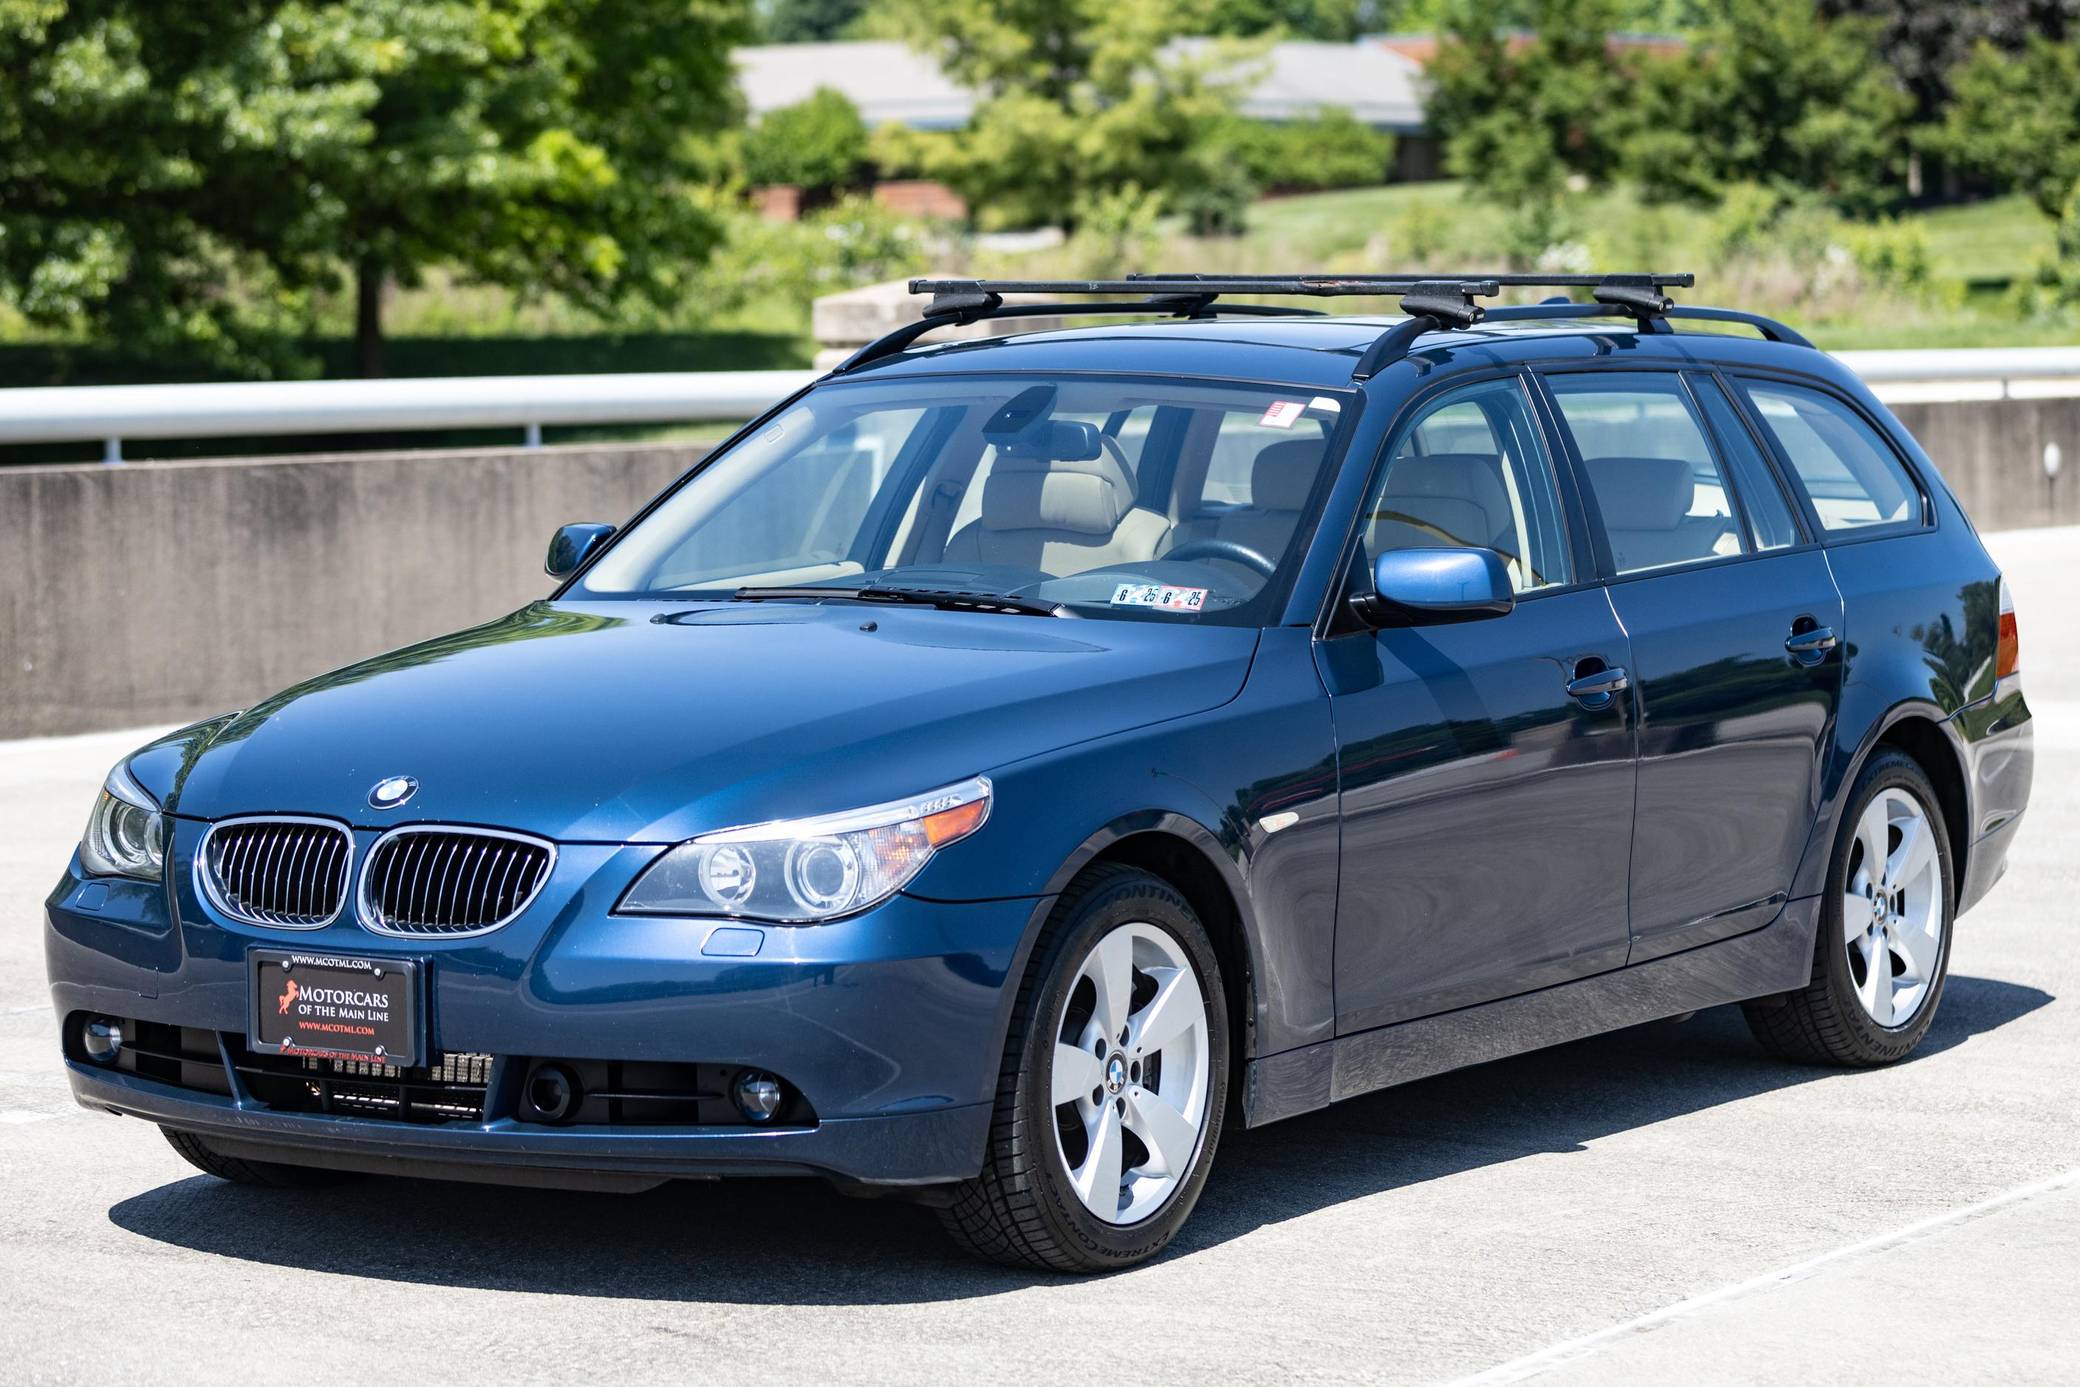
<point>1642,493</point>
<point>1283,474</point>
<point>1088,495</point>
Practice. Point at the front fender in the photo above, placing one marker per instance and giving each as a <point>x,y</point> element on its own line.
<point>1250,787</point>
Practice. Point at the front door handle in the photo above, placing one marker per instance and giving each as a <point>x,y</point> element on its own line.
<point>1595,688</point>
<point>1811,646</point>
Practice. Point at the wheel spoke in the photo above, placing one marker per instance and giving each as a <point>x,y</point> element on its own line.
<point>1872,832</point>
<point>1076,1072</point>
<point>1097,1179</point>
<point>1167,1133</point>
<point>1112,970</point>
<point>1856,915</point>
<point>1917,849</point>
<point>1920,947</point>
<point>1175,1009</point>
<point>1876,992</point>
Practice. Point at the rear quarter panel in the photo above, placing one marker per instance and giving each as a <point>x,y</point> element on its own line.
<point>1921,625</point>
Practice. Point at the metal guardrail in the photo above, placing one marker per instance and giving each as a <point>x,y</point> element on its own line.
<point>1975,373</point>
<point>112,413</point>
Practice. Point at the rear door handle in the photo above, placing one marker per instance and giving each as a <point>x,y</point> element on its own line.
<point>1813,644</point>
<point>1595,689</point>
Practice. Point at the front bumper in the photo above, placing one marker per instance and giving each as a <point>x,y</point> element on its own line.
<point>889,1024</point>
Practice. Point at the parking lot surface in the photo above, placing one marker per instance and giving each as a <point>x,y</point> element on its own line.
<point>1659,1203</point>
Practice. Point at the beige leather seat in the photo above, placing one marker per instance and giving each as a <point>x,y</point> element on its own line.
<point>1646,513</point>
<point>1280,481</point>
<point>1058,516</point>
<point>1447,499</point>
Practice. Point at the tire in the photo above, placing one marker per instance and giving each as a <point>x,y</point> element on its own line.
<point>270,1174</point>
<point>1025,1208</point>
<point>1829,1021</point>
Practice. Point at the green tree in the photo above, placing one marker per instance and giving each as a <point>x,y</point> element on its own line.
<point>1079,99</point>
<point>1336,21</point>
<point>1772,94</point>
<point>809,21</point>
<point>1923,43</point>
<point>817,144</point>
<point>199,173</point>
<point>1329,149</point>
<point>1524,117</point>
<point>2016,119</point>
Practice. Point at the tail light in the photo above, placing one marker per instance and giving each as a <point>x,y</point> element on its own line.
<point>2007,657</point>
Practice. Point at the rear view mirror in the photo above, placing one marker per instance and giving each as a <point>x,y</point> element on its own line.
<point>572,545</point>
<point>1427,587</point>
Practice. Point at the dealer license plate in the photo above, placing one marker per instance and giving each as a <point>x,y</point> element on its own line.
<point>335,1005</point>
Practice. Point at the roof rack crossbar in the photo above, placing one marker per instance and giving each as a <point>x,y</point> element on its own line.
<point>958,302</point>
<point>1433,302</point>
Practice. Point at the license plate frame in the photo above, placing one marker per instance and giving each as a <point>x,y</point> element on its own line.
<point>334,1006</point>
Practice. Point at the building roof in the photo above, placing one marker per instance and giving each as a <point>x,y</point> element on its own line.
<point>886,81</point>
<point>894,82</point>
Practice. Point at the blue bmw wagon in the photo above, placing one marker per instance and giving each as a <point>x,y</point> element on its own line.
<point>1011,760</point>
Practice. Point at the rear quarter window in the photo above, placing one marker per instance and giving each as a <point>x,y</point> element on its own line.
<point>1851,474</point>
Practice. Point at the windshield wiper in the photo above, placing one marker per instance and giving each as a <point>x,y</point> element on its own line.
<point>914,597</point>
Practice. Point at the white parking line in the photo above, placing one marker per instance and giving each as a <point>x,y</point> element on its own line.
<point>1532,1364</point>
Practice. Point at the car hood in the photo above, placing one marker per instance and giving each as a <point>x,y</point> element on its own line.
<point>652,722</point>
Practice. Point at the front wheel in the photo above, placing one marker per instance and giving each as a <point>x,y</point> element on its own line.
<point>1884,936</point>
<point>1115,1078</point>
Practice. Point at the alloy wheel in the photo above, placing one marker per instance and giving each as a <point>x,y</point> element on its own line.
<point>1131,1073</point>
<point>1892,908</point>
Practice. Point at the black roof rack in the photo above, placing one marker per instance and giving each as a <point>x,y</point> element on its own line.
<point>1433,302</point>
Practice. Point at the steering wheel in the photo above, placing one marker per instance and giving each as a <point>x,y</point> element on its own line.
<point>1223,549</point>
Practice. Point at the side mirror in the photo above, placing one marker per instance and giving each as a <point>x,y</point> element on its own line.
<point>572,545</point>
<point>1429,587</point>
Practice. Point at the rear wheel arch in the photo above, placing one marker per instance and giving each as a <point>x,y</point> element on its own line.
<point>1924,739</point>
<point>1914,726</point>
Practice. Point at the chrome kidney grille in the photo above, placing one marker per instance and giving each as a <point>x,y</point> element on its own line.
<point>280,872</point>
<point>445,882</point>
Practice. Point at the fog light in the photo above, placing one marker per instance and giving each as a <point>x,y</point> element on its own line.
<point>757,1095</point>
<point>551,1094</point>
<point>102,1039</point>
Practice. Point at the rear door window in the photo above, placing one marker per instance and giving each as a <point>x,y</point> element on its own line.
<point>1647,461</point>
<point>1853,477</point>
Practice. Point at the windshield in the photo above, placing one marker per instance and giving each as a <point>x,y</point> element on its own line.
<point>1100,496</point>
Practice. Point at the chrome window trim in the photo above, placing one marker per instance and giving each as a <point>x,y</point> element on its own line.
<point>372,920</point>
<point>206,884</point>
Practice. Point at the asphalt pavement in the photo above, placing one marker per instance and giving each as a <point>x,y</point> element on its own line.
<point>1661,1203</point>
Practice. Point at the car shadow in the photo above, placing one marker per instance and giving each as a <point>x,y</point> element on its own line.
<point>795,1242</point>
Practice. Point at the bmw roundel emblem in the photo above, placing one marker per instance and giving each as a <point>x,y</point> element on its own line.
<point>392,791</point>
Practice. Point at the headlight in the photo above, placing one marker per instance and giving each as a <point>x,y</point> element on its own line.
<point>126,836</point>
<point>802,871</point>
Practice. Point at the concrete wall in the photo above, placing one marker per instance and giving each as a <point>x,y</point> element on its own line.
<point>164,592</point>
<point>161,592</point>
<point>1992,453</point>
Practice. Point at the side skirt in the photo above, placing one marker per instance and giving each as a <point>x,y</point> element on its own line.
<point>1775,958</point>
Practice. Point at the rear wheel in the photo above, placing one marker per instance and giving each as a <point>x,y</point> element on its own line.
<point>1115,1078</point>
<point>1884,937</point>
<point>271,1174</point>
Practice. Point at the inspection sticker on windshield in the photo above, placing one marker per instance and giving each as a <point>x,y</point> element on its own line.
<point>1283,414</point>
<point>1160,596</point>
